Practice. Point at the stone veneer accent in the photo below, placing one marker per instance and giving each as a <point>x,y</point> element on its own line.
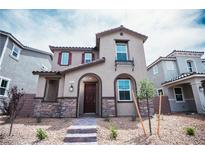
<point>108,106</point>
<point>64,107</point>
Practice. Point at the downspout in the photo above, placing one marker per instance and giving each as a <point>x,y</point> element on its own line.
<point>3,51</point>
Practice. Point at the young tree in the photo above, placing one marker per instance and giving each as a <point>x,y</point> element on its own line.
<point>147,91</point>
<point>14,104</point>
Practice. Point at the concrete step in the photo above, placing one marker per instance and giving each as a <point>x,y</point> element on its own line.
<point>82,135</point>
<point>81,143</point>
<point>80,139</point>
<point>83,127</point>
<point>82,131</point>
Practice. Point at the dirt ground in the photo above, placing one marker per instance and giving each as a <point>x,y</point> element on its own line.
<point>24,131</point>
<point>172,130</point>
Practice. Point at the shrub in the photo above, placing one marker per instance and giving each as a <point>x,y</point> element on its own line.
<point>113,133</point>
<point>190,131</point>
<point>41,134</point>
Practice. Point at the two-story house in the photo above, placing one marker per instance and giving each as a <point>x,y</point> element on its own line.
<point>97,80</point>
<point>17,63</point>
<point>180,76</point>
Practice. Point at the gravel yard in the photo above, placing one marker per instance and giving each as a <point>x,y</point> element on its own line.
<point>172,130</point>
<point>129,132</point>
<point>24,131</point>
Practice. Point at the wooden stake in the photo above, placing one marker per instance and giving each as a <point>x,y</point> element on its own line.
<point>138,112</point>
<point>160,106</point>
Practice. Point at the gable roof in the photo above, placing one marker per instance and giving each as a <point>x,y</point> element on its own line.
<point>121,28</point>
<point>81,66</point>
<point>23,46</point>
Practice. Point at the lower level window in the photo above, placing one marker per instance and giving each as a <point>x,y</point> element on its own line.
<point>4,83</point>
<point>124,90</point>
<point>178,94</point>
<point>160,92</point>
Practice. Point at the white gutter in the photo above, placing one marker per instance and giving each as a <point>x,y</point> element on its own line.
<point>4,50</point>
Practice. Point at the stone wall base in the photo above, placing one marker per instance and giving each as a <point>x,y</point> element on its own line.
<point>108,107</point>
<point>64,107</point>
<point>143,108</point>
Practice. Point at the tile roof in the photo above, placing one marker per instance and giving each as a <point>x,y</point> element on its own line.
<point>54,48</point>
<point>184,51</point>
<point>182,76</point>
<point>95,62</point>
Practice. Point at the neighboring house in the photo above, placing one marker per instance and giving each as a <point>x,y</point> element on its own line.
<point>95,80</point>
<point>180,76</point>
<point>17,63</point>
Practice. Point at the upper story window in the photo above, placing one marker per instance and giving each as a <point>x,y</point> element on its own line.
<point>121,52</point>
<point>155,69</point>
<point>4,84</point>
<point>15,53</point>
<point>124,90</point>
<point>190,65</point>
<point>178,94</point>
<point>170,65</point>
<point>64,58</point>
<point>88,58</point>
<point>159,92</point>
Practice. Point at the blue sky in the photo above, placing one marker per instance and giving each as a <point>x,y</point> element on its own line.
<point>166,29</point>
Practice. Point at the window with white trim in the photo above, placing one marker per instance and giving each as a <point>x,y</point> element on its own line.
<point>178,94</point>
<point>15,53</point>
<point>64,58</point>
<point>124,90</point>
<point>155,69</point>
<point>190,65</point>
<point>159,92</point>
<point>4,85</point>
<point>88,58</point>
<point>121,52</point>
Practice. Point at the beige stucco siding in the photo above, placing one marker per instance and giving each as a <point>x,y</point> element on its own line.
<point>41,86</point>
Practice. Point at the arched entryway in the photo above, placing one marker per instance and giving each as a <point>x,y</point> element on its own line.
<point>89,95</point>
<point>123,86</point>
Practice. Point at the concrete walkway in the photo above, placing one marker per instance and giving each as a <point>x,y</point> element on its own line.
<point>83,131</point>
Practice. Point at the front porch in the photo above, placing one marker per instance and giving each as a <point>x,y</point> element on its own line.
<point>186,94</point>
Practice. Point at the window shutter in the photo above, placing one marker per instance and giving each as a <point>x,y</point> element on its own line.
<point>93,56</point>
<point>83,58</point>
<point>70,58</point>
<point>59,58</point>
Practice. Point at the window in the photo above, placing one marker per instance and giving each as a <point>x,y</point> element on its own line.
<point>64,58</point>
<point>155,69</point>
<point>88,57</point>
<point>4,84</point>
<point>170,65</point>
<point>190,66</point>
<point>159,91</point>
<point>15,53</point>
<point>124,90</point>
<point>121,51</point>
<point>51,92</point>
<point>178,94</point>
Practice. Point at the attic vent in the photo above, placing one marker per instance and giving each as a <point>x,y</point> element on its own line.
<point>121,33</point>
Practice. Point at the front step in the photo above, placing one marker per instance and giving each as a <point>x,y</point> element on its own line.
<point>82,131</point>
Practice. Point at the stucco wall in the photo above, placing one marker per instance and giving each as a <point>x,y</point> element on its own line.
<point>76,60</point>
<point>20,71</point>
<point>187,105</point>
<point>182,64</point>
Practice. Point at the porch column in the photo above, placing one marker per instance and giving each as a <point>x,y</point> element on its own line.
<point>199,96</point>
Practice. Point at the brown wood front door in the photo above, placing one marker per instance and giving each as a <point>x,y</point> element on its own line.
<point>90,98</point>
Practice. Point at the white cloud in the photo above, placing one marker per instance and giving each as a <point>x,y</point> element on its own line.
<point>166,29</point>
